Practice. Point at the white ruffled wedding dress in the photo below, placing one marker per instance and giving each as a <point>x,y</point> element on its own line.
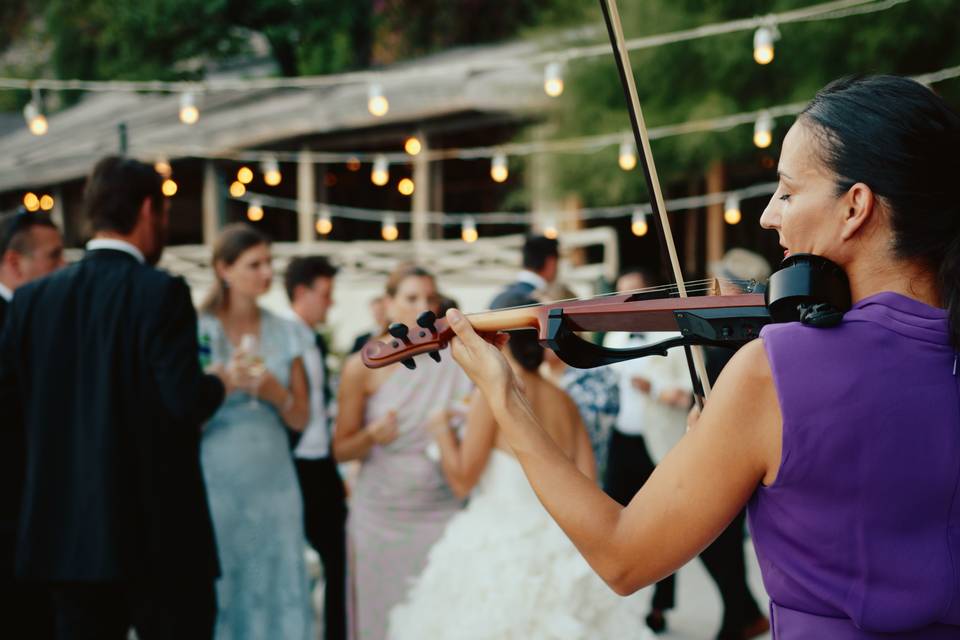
<point>503,569</point>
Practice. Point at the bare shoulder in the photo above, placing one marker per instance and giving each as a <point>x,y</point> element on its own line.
<point>354,371</point>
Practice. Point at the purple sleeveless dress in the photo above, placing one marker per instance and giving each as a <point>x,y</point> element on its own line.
<point>859,536</point>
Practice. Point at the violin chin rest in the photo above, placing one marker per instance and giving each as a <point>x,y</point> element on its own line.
<point>819,315</point>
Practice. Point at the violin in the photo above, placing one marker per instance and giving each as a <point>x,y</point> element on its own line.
<point>806,288</point>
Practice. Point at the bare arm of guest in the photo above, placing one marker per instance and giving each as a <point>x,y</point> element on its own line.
<point>353,439</point>
<point>293,404</point>
<point>691,497</point>
<point>463,462</point>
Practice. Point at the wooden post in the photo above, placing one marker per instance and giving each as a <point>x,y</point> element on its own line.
<point>715,224</point>
<point>420,201</point>
<point>212,203</point>
<point>306,196</point>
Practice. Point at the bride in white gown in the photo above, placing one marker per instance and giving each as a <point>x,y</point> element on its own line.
<point>503,569</point>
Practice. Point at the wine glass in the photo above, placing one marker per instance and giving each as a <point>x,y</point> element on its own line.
<point>252,361</point>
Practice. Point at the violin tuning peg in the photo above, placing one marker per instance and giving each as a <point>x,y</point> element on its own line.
<point>398,330</point>
<point>427,319</point>
<point>435,355</point>
<point>409,363</point>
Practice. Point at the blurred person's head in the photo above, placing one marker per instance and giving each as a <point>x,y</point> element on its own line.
<point>30,248</point>
<point>309,284</point>
<point>123,200</point>
<point>410,291</point>
<point>447,303</point>
<point>525,350</point>
<point>541,255</point>
<point>242,266</point>
<point>378,311</point>
<point>738,268</point>
<point>634,279</point>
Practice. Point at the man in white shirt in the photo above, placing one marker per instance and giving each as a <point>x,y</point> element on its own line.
<point>654,398</point>
<point>309,285</point>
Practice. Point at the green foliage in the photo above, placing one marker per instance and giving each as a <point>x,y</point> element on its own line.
<point>717,76</point>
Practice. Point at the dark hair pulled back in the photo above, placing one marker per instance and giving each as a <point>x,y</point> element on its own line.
<point>900,139</point>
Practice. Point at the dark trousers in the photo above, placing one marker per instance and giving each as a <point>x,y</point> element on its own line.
<point>628,466</point>
<point>181,610</point>
<point>26,610</point>
<point>325,517</point>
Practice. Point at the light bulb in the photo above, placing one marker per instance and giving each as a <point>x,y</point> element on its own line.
<point>237,189</point>
<point>31,201</point>
<point>169,187</point>
<point>550,230</point>
<point>628,155</point>
<point>763,44</point>
<point>189,114</point>
<point>498,168</point>
<point>553,79</point>
<point>271,172</point>
<point>412,145</point>
<point>406,186</point>
<point>36,121</point>
<point>763,131</point>
<point>255,211</point>
<point>731,210</point>
<point>353,164</point>
<point>46,202</point>
<point>380,175</point>
<point>244,175</point>
<point>377,103</point>
<point>162,166</point>
<point>638,223</point>
<point>388,229</point>
<point>468,230</point>
<point>324,223</point>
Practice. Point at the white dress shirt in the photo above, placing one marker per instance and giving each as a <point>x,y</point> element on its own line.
<point>315,441</point>
<point>118,245</point>
<point>534,279</point>
<point>5,292</point>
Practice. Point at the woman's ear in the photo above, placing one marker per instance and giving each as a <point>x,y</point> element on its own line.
<point>860,206</point>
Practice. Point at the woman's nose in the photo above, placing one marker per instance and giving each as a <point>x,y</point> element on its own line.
<point>770,218</point>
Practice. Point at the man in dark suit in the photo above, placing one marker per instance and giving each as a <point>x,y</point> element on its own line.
<point>540,259</point>
<point>309,284</point>
<point>103,358</point>
<point>30,247</point>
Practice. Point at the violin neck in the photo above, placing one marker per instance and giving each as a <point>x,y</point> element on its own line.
<point>506,319</point>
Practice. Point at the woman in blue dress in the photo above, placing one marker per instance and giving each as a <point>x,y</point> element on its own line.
<point>251,483</point>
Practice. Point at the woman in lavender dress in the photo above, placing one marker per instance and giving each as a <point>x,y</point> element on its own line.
<point>845,441</point>
<point>400,503</point>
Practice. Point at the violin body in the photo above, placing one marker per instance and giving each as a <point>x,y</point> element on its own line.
<point>806,288</point>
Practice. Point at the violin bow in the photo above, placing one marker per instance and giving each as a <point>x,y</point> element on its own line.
<point>695,360</point>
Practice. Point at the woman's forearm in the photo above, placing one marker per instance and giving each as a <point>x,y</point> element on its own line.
<point>451,462</point>
<point>354,446</point>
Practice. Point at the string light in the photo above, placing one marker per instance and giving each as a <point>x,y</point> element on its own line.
<point>412,145</point>
<point>377,103</point>
<point>33,114</point>
<point>550,229</point>
<point>244,175</point>
<point>498,168</point>
<point>46,202</point>
<point>763,39</point>
<point>31,201</point>
<point>353,163</point>
<point>731,210</point>
<point>388,229</point>
<point>628,155</point>
<point>406,186</point>
<point>468,230</point>
<point>271,172</point>
<point>553,79</point>
<point>162,166</point>
<point>638,223</point>
<point>237,189</point>
<point>324,222</point>
<point>763,130</point>
<point>189,113</point>
<point>255,211</point>
<point>169,187</point>
<point>380,175</point>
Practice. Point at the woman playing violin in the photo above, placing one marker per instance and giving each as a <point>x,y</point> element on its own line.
<point>843,442</point>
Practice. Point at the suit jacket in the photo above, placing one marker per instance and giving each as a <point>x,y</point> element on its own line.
<point>514,294</point>
<point>103,356</point>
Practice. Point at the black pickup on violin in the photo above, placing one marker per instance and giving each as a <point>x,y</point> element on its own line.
<point>806,288</point>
